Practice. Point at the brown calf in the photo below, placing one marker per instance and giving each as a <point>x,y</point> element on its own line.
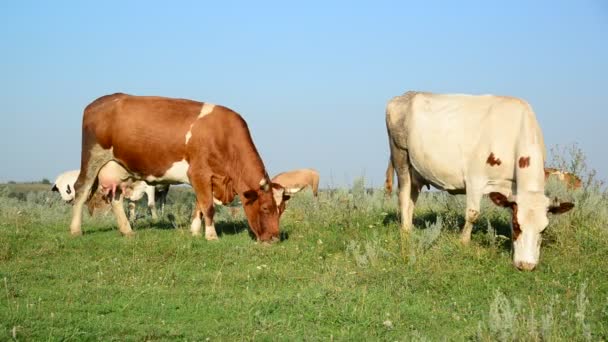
<point>571,180</point>
<point>296,180</point>
<point>171,141</point>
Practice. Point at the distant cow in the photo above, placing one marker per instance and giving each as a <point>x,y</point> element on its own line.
<point>64,184</point>
<point>475,145</point>
<point>172,141</point>
<point>296,180</point>
<point>571,180</point>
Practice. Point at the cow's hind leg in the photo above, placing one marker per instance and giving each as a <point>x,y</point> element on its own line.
<point>408,191</point>
<point>471,215</point>
<point>204,200</point>
<point>92,160</point>
<point>151,201</point>
<point>408,195</point>
<point>132,215</point>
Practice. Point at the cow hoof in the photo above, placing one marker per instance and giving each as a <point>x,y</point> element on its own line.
<point>197,234</point>
<point>211,237</point>
<point>465,242</point>
<point>129,234</point>
<point>76,233</point>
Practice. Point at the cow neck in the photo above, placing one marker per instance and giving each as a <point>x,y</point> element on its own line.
<point>247,172</point>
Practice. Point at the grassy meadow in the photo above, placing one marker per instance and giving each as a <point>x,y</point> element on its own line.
<point>343,272</point>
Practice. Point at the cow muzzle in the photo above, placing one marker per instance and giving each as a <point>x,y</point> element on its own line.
<point>525,266</point>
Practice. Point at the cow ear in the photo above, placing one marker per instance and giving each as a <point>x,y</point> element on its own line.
<point>55,188</point>
<point>286,198</point>
<point>277,192</point>
<point>250,196</point>
<point>501,200</point>
<point>560,208</point>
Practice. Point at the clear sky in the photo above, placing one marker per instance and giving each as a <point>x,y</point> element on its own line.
<point>311,78</point>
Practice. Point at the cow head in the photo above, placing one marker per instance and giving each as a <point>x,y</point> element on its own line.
<point>529,220</point>
<point>263,208</point>
<point>65,190</point>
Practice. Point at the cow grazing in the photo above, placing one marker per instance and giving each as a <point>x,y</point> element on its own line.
<point>296,180</point>
<point>475,145</point>
<point>171,141</point>
<point>64,184</point>
<point>571,180</point>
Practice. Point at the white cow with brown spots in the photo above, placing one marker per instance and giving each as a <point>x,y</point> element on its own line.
<point>475,145</point>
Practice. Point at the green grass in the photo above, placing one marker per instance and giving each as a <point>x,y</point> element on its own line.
<point>344,273</point>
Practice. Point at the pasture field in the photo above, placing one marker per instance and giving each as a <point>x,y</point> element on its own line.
<point>342,272</point>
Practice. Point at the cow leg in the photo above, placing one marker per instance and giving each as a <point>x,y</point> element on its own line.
<point>408,192</point>
<point>408,195</point>
<point>92,160</point>
<point>121,218</point>
<point>388,182</point>
<point>204,200</point>
<point>151,202</point>
<point>132,215</point>
<point>197,216</point>
<point>315,187</point>
<point>471,215</point>
<point>162,199</point>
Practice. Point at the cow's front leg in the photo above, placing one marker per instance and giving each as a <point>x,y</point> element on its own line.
<point>471,215</point>
<point>204,204</point>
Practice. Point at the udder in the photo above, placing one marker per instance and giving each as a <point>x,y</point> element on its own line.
<point>113,178</point>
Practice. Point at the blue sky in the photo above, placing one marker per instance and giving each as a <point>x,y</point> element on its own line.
<point>312,79</point>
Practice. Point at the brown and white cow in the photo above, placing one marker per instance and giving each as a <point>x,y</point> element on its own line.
<point>170,141</point>
<point>571,180</point>
<point>296,180</point>
<point>475,145</point>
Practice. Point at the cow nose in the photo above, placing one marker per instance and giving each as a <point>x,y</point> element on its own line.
<point>274,239</point>
<point>525,266</point>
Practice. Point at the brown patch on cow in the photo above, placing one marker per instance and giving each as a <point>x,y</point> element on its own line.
<point>516,228</point>
<point>524,162</point>
<point>492,160</point>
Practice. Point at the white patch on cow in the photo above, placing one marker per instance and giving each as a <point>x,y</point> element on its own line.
<point>292,191</point>
<point>189,135</point>
<point>177,173</point>
<point>278,195</point>
<point>217,202</point>
<point>207,109</point>
<point>263,182</point>
<point>138,189</point>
